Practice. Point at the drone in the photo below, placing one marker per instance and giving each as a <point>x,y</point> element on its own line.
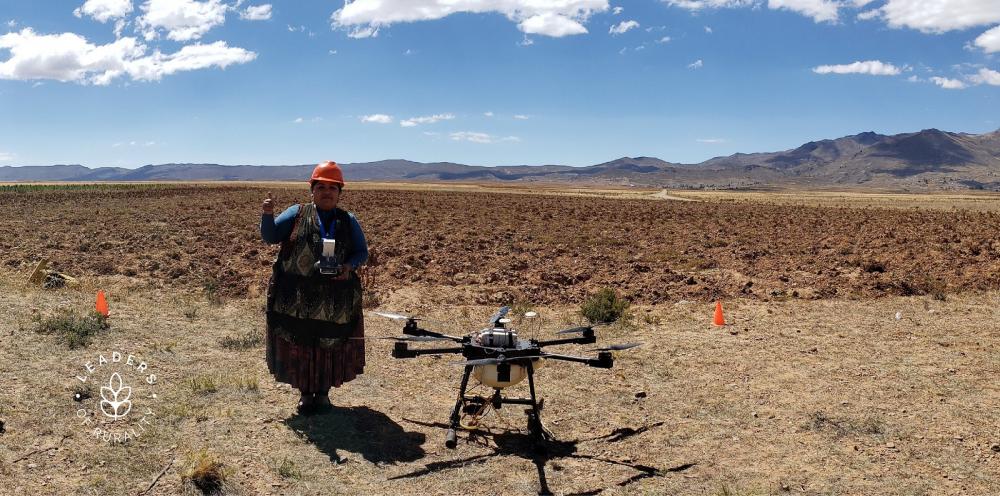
<point>497,358</point>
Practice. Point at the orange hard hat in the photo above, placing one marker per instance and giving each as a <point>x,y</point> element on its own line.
<point>328,172</point>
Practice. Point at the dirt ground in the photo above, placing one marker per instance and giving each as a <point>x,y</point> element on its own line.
<point>552,248</point>
<point>865,391</point>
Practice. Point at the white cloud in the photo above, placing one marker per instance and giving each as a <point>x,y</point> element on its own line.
<point>819,10</point>
<point>104,10</point>
<point>65,57</point>
<point>869,15</point>
<point>11,24</point>
<point>298,120</point>
<point>430,119</point>
<point>183,20</point>
<point>986,76</point>
<point>938,16</point>
<point>119,27</point>
<point>482,138</point>
<point>665,39</point>
<point>617,10</point>
<point>873,67</point>
<point>697,64</point>
<point>331,52</point>
<point>526,41</point>
<point>69,57</point>
<point>362,32</point>
<point>6,157</point>
<point>550,24</point>
<point>710,4</point>
<point>377,119</point>
<point>188,58</point>
<point>488,114</point>
<point>623,27</point>
<point>363,18</point>
<point>708,29</point>
<point>948,84</point>
<point>860,3</point>
<point>640,47</point>
<point>521,117</point>
<point>711,141</point>
<point>257,13</point>
<point>990,40</point>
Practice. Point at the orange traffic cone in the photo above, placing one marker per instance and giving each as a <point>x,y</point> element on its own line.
<point>102,304</point>
<point>719,320</point>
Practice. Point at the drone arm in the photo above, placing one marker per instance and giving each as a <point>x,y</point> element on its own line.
<point>604,359</point>
<point>411,329</point>
<point>402,350</point>
<point>587,338</point>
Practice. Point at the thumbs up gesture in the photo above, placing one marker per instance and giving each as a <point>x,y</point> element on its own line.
<point>268,207</point>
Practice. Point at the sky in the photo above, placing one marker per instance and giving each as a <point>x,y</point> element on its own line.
<point>126,83</point>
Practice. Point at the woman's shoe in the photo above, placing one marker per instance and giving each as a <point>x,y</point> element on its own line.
<point>322,403</point>
<point>307,406</point>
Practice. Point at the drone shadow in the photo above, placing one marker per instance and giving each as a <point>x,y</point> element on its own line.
<point>359,429</point>
<point>524,446</point>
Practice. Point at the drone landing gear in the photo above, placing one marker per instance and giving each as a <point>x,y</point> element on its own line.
<point>469,404</point>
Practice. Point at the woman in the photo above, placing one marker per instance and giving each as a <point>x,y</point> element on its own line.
<point>314,296</point>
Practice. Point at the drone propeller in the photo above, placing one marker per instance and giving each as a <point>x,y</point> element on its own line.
<point>501,313</point>
<point>417,339</point>
<point>617,347</point>
<point>394,316</point>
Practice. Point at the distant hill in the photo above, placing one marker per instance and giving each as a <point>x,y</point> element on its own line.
<point>924,160</point>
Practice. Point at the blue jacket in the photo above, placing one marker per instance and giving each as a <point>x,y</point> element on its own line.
<point>274,231</point>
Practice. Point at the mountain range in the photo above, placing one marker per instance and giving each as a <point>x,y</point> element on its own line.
<point>924,160</point>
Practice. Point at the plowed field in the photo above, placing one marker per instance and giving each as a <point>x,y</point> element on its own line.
<point>515,247</point>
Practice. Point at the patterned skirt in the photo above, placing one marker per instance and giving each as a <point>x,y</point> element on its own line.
<point>317,364</point>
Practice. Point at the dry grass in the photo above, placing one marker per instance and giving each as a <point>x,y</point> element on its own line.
<point>832,397</point>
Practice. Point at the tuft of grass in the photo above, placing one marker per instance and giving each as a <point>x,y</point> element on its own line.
<point>604,306</point>
<point>212,290</point>
<point>246,341</point>
<point>72,328</point>
<point>868,426</point>
<point>726,490</point>
<point>248,383</point>
<point>205,472</point>
<point>203,384</point>
<point>287,469</point>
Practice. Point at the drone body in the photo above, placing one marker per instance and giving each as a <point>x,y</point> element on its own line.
<point>498,358</point>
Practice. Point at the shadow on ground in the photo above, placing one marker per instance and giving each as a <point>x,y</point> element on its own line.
<point>524,446</point>
<point>361,430</point>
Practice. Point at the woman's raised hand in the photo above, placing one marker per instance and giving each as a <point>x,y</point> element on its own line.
<point>268,207</point>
